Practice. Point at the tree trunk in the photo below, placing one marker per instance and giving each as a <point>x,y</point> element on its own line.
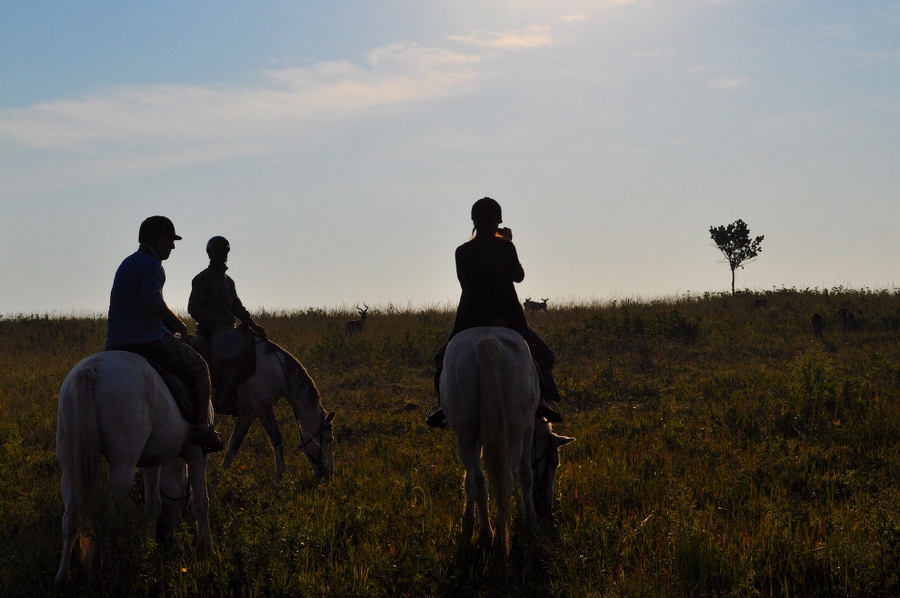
<point>732,282</point>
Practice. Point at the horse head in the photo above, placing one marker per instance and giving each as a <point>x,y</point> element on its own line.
<point>544,461</point>
<point>319,447</point>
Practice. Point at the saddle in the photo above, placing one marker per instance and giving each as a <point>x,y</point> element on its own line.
<point>176,383</point>
<point>231,356</point>
<point>179,389</point>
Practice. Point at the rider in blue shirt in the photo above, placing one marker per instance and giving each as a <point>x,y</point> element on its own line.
<point>141,322</point>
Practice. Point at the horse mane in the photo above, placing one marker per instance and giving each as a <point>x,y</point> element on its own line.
<point>293,368</point>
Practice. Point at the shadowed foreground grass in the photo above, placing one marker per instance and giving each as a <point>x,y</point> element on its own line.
<point>721,451</point>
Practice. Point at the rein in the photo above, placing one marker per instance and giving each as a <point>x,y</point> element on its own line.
<point>188,492</point>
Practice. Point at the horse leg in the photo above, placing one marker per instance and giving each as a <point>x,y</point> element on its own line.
<point>278,452</point>
<point>196,462</point>
<point>69,530</point>
<point>477,493</point>
<point>501,527</point>
<point>485,533</point>
<point>241,426</point>
<point>152,501</point>
<point>119,481</point>
<point>525,476</point>
<point>468,520</point>
<point>270,425</point>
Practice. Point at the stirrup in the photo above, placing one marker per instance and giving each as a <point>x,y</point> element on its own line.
<point>210,440</point>
<point>550,413</point>
<point>436,417</point>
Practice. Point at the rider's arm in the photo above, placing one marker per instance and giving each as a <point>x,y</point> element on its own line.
<point>173,322</point>
<point>514,268</point>
<point>237,307</point>
<point>152,298</point>
<point>242,313</point>
<point>198,298</point>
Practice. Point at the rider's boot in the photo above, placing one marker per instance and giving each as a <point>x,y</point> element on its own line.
<point>225,401</point>
<point>204,435</point>
<point>435,417</point>
<point>551,414</point>
<point>202,432</point>
<point>547,407</point>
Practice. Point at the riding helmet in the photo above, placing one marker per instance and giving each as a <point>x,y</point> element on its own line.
<point>486,211</point>
<point>157,226</point>
<point>217,241</point>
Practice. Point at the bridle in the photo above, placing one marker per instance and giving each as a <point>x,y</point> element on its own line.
<point>318,438</point>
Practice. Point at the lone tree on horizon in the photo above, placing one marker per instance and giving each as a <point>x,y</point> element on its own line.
<point>734,242</point>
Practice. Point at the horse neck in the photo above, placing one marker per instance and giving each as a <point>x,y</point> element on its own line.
<point>301,391</point>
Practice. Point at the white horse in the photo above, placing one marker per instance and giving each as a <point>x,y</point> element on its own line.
<point>279,374</point>
<point>116,405</point>
<point>490,391</point>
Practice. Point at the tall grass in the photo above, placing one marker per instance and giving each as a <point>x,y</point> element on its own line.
<point>722,451</point>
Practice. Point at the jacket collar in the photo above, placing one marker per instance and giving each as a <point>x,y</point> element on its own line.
<point>148,249</point>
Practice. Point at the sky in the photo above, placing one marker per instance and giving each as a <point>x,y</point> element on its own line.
<point>339,146</point>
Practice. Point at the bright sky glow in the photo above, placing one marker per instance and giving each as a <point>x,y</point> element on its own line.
<point>340,145</point>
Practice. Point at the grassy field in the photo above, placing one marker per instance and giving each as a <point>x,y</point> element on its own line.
<point>721,451</point>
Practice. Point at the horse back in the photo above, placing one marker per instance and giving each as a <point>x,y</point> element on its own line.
<point>461,379</point>
<point>137,416</point>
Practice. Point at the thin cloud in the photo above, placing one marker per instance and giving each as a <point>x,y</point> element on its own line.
<point>535,36</point>
<point>727,83</point>
<point>163,115</point>
<point>837,31</point>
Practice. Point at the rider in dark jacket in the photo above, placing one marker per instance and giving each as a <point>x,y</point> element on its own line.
<point>141,322</point>
<point>214,304</point>
<point>487,267</point>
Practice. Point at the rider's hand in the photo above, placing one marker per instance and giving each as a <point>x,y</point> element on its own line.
<point>259,330</point>
<point>180,329</point>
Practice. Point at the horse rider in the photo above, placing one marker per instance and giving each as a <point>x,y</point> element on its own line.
<point>141,322</point>
<point>214,305</point>
<point>487,266</point>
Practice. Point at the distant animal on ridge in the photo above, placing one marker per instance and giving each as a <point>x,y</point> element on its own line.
<point>818,324</point>
<point>759,304</point>
<point>356,326</point>
<point>846,319</point>
<point>534,306</point>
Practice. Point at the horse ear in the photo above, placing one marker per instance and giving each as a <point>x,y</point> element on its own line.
<point>330,417</point>
<point>559,441</point>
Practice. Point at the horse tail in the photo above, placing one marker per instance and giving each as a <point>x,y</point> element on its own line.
<point>86,451</point>
<point>489,354</point>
